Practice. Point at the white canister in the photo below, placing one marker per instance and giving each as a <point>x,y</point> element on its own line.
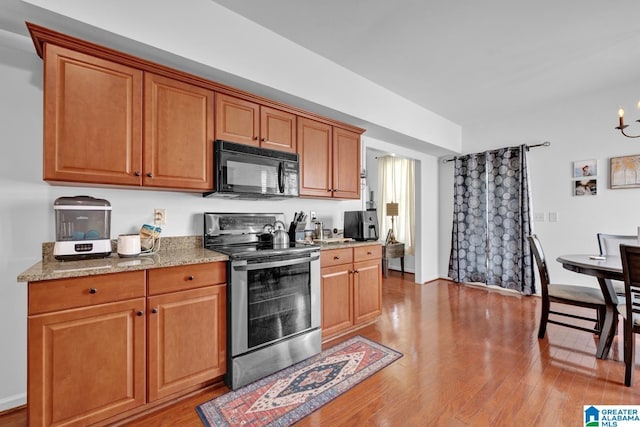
<point>128,245</point>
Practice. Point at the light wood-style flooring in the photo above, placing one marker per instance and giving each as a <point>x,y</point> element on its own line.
<point>471,358</point>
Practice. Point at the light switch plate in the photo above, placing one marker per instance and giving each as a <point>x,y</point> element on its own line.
<point>538,216</point>
<point>553,216</point>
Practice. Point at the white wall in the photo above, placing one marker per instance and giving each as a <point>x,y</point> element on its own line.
<point>579,128</point>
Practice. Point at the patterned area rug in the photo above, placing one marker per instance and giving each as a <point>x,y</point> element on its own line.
<point>285,397</point>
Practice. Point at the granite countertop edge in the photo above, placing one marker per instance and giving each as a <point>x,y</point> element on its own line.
<point>173,252</point>
<point>179,251</point>
<point>349,244</point>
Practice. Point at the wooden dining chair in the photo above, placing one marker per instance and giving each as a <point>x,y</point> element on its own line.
<point>609,244</point>
<point>567,294</point>
<point>630,308</point>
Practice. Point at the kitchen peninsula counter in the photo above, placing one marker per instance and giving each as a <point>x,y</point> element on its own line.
<point>173,251</point>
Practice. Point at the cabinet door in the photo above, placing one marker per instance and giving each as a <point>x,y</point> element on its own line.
<point>178,142</point>
<point>337,300</point>
<point>314,148</point>
<point>187,339</point>
<point>92,119</point>
<point>237,120</point>
<point>367,290</point>
<point>86,364</point>
<point>277,130</point>
<point>346,164</point>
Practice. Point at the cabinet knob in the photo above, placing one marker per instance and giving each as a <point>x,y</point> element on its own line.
<point>139,313</point>
<point>369,253</point>
<point>137,173</point>
<point>329,190</point>
<point>149,174</point>
<point>336,257</point>
<point>154,310</point>
<point>255,138</point>
<point>93,290</point>
<point>263,139</point>
<point>191,277</point>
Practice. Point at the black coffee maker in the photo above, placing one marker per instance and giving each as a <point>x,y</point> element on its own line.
<point>361,225</point>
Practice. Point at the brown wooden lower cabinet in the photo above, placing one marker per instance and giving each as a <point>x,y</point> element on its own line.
<point>186,336</point>
<point>86,364</point>
<point>100,347</point>
<point>351,288</point>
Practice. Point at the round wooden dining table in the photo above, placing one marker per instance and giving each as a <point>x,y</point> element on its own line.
<point>605,269</point>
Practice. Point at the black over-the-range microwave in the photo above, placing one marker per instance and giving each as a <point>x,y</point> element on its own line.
<point>247,172</point>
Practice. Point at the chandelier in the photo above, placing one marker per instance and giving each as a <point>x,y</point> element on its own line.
<point>622,126</point>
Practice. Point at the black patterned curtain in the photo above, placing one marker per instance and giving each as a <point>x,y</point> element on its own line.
<point>492,219</point>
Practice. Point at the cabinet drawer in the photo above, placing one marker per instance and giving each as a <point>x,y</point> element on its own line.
<point>171,279</point>
<point>336,257</point>
<point>364,253</point>
<point>53,295</point>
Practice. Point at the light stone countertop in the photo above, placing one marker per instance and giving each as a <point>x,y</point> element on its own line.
<point>348,244</point>
<point>173,252</point>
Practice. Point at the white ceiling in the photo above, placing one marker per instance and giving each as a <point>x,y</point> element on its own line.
<point>468,61</point>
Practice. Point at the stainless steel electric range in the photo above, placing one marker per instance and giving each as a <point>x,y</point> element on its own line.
<point>273,297</point>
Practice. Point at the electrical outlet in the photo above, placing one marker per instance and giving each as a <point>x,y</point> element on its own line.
<point>159,216</point>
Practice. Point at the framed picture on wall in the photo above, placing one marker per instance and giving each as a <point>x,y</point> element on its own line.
<point>585,187</point>
<point>585,168</point>
<point>625,172</point>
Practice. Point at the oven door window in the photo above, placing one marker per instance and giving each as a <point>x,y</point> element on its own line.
<point>279,303</point>
<point>249,174</point>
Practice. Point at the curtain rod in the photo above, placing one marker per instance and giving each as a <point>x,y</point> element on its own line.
<point>542,144</point>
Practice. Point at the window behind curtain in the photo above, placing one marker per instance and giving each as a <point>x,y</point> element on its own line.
<point>396,183</point>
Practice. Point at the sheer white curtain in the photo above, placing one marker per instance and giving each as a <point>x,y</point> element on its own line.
<point>396,183</point>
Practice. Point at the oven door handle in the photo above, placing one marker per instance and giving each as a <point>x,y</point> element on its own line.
<point>244,266</point>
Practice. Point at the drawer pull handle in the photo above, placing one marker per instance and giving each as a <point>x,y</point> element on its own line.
<point>154,310</point>
<point>369,253</point>
<point>191,278</point>
<point>139,313</point>
<point>93,291</point>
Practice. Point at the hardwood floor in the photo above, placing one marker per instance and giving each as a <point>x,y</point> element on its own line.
<point>471,358</point>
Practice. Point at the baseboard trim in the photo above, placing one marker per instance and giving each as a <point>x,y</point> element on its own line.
<point>13,402</point>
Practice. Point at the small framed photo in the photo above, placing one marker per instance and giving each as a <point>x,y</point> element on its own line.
<point>585,168</point>
<point>625,172</point>
<point>585,187</point>
<point>388,239</point>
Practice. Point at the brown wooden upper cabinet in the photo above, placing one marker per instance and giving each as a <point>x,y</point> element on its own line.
<point>329,160</point>
<point>114,119</point>
<point>246,122</point>
<point>93,120</point>
<point>178,137</point>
